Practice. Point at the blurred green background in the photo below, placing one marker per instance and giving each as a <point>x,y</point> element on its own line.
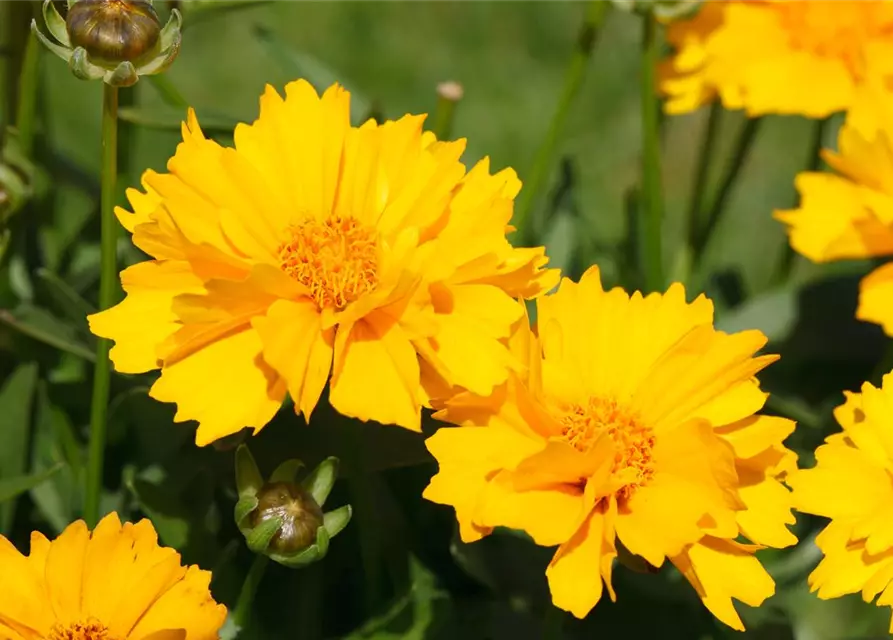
<point>408,576</point>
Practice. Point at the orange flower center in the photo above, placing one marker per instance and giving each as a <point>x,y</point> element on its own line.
<point>336,259</point>
<point>92,629</point>
<point>634,442</point>
<point>836,29</point>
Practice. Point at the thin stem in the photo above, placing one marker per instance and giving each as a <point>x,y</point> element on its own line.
<point>27,100</point>
<point>813,163</point>
<point>168,91</point>
<point>705,160</point>
<point>546,154</point>
<point>448,96</point>
<point>107,292</point>
<point>651,207</point>
<point>245,604</point>
<point>743,146</point>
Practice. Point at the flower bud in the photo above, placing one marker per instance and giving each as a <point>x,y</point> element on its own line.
<point>665,10</point>
<point>116,40</point>
<point>300,515</point>
<point>113,31</point>
<point>284,519</point>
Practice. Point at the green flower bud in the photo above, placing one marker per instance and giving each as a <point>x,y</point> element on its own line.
<point>664,10</point>
<point>115,40</point>
<point>113,31</point>
<point>282,518</point>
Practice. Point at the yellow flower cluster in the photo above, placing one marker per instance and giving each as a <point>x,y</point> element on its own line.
<point>368,259</point>
<point>816,58</point>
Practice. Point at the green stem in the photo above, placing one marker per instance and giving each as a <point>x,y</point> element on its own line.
<point>448,96</point>
<point>546,154</point>
<point>27,100</point>
<point>245,604</point>
<point>168,91</point>
<point>651,207</point>
<point>107,292</point>
<point>813,163</point>
<point>705,160</point>
<point>743,146</point>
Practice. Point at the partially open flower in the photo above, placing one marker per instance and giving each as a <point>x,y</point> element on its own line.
<point>116,40</point>
<point>283,519</point>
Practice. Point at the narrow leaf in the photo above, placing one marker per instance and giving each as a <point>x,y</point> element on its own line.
<point>16,398</point>
<point>13,487</point>
<point>45,327</point>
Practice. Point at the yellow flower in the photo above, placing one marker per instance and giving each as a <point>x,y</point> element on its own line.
<point>807,57</point>
<point>852,485</point>
<point>851,215</point>
<point>314,247</point>
<point>116,584</point>
<point>633,423</point>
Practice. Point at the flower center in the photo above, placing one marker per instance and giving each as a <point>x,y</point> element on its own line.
<point>335,258</point>
<point>583,424</point>
<point>92,629</point>
<point>836,29</point>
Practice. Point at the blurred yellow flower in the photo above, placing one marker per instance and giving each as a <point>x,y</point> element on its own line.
<point>114,584</point>
<point>314,247</point>
<point>852,485</point>
<point>807,57</point>
<point>851,215</point>
<point>633,421</point>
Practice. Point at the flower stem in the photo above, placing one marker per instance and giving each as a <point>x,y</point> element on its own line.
<point>448,96</point>
<point>545,156</point>
<point>813,163</point>
<point>107,290</point>
<point>651,206</point>
<point>705,160</point>
<point>245,604</point>
<point>27,99</point>
<point>743,145</point>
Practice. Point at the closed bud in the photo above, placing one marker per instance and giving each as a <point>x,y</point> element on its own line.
<point>113,31</point>
<point>300,516</point>
<point>115,40</point>
<point>665,10</point>
<point>282,518</point>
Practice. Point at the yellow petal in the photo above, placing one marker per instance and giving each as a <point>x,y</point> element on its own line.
<point>65,571</point>
<point>376,373</point>
<point>755,434</point>
<point>580,565</point>
<point>721,570</point>
<point>24,607</point>
<point>298,349</point>
<point>876,298</point>
<point>187,606</point>
<point>549,515</point>
<point>145,318</point>
<point>467,456</point>
<point>226,387</point>
<point>768,505</point>
<point>847,567</point>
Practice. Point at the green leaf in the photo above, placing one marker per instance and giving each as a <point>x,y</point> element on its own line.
<point>244,507</point>
<point>55,443</point>
<point>248,478</point>
<point>171,119</point>
<point>297,64</point>
<point>16,399</point>
<point>69,302</point>
<point>11,488</point>
<point>774,313</point>
<point>43,326</point>
<point>561,241</point>
<point>413,615</point>
<point>169,516</point>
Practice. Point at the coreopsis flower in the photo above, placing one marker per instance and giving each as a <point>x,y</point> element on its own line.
<point>315,248</point>
<point>634,423</point>
<point>849,215</point>
<point>114,583</point>
<point>807,57</point>
<point>851,484</point>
